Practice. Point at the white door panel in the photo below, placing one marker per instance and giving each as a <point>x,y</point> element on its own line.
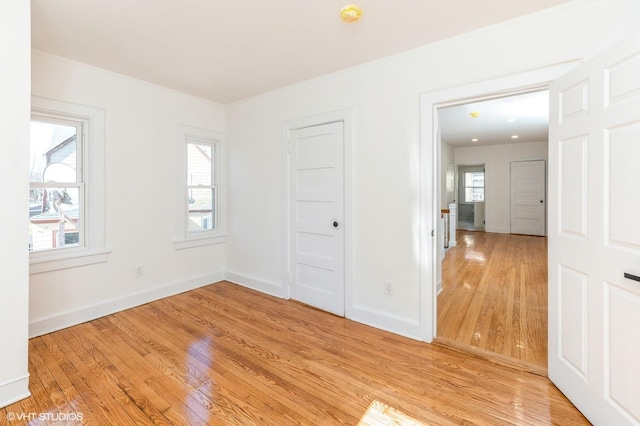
<point>317,202</point>
<point>594,236</point>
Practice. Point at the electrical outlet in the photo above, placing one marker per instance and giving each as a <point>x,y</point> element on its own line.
<point>139,270</point>
<point>388,288</point>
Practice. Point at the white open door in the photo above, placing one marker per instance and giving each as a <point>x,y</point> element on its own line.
<point>594,236</point>
<point>528,195</point>
<point>317,211</point>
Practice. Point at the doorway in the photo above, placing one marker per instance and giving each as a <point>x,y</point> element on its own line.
<point>471,201</point>
<point>493,301</point>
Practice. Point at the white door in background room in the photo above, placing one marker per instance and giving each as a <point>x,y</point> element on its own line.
<point>528,197</point>
<point>594,236</point>
<point>316,179</point>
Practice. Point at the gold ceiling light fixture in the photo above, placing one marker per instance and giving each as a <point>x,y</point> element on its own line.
<point>474,114</point>
<point>350,13</point>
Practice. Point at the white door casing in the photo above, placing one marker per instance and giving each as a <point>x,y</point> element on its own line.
<point>594,236</point>
<point>430,158</point>
<point>528,197</point>
<point>317,238</point>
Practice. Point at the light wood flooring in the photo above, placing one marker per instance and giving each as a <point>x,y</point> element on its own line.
<point>494,296</point>
<point>223,354</point>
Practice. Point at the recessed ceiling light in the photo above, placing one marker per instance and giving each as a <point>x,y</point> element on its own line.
<point>474,140</point>
<point>514,136</point>
<point>510,120</point>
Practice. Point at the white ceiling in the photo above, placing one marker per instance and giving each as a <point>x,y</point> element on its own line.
<point>527,115</point>
<point>226,50</point>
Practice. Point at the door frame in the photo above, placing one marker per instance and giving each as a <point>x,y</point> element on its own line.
<point>346,117</point>
<point>430,158</point>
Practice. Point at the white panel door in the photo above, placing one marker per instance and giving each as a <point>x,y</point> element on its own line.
<point>528,197</point>
<point>594,236</point>
<point>317,212</point>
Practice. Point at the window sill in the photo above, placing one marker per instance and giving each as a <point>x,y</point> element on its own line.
<point>199,241</point>
<point>55,262</point>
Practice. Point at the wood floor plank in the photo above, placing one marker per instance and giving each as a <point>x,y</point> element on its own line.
<point>223,354</point>
<point>494,295</point>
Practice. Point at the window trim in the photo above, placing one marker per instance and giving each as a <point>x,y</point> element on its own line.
<point>184,239</point>
<point>93,153</point>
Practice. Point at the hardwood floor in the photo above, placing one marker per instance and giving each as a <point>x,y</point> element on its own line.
<point>494,295</point>
<point>224,354</point>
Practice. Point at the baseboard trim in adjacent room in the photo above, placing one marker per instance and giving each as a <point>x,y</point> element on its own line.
<point>40,326</point>
<point>271,288</point>
<point>14,390</point>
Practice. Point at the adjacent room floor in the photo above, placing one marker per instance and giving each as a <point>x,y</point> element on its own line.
<point>494,295</point>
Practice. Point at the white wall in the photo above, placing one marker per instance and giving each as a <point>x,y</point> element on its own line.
<point>15,41</point>
<point>446,158</point>
<point>141,179</point>
<point>497,160</point>
<point>384,96</point>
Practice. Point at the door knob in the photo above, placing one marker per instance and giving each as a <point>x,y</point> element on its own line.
<point>335,224</point>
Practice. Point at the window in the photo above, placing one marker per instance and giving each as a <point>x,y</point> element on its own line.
<point>201,186</point>
<point>200,220</point>
<point>56,212</point>
<point>474,187</point>
<point>66,193</point>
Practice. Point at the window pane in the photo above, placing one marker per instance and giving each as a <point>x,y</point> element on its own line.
<point>54,153</point>
<point>474,179</point>
<point>201,209</point>
<point>54,219</point>
<point>199,161</point>
<point>468,195</point>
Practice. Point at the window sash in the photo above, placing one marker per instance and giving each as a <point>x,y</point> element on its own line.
<point>474,187</point>
<point>194,224</point>
<point>47,225</point>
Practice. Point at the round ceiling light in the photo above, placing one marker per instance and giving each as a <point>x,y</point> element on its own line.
<point>350,13</point>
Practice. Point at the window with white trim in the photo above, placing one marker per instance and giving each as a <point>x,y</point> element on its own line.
<point>200,220</point>
<point>66,193</point>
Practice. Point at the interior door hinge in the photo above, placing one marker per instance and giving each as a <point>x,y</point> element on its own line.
<point>433,233</point>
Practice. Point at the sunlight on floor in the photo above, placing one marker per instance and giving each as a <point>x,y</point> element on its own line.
<point>474,256</point>
<point>380,413</point>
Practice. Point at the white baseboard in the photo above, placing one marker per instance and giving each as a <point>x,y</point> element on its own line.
<point>406,327</point>
<point>14,390</point>
<point>496,230</point>
<point>40,326</point>
<point>272,288</point>
<point>438,287</point>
